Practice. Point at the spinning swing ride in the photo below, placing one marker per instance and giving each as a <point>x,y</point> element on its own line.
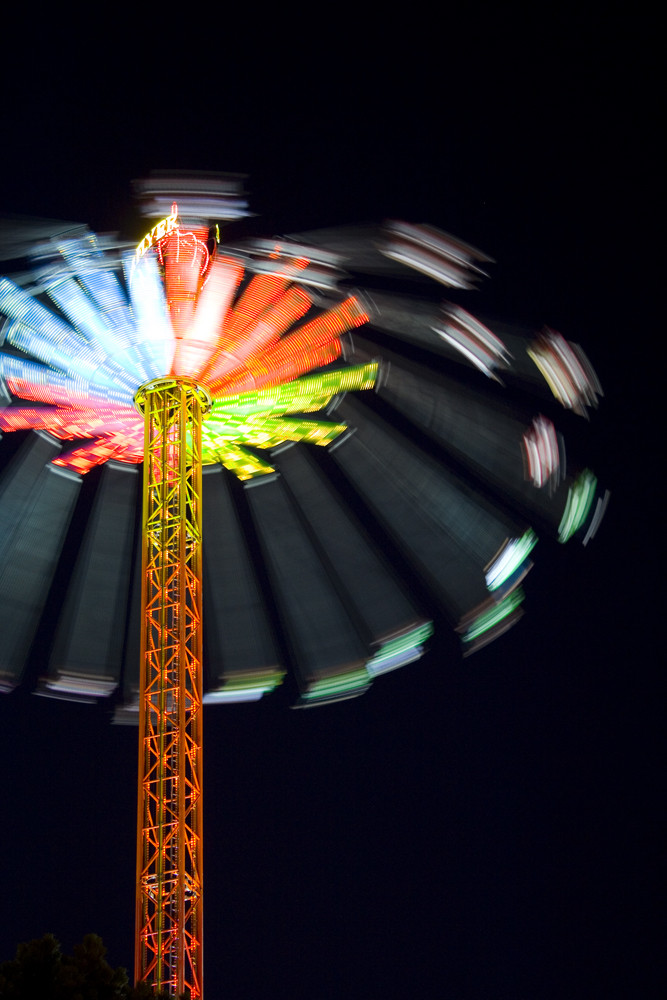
<point>213,365</point>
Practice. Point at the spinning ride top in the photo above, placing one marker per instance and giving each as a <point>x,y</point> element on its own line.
<point>194,359</point>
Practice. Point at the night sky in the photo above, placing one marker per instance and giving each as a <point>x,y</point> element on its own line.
<point>470,829</point>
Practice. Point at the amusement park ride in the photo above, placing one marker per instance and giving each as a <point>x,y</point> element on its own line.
<point>195,359</point>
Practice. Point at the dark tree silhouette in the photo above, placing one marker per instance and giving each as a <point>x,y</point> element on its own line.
<point>40,971</point>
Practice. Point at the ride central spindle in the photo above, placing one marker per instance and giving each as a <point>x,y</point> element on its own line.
<point>169,834</point>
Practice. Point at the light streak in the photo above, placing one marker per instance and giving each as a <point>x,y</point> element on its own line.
<point>511,558</point>
<point>579,500</point>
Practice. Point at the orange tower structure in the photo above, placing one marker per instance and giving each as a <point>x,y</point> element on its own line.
<point>169,903</point>
<point>169,834</point>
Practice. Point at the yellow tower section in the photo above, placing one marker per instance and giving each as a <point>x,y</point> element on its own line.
<point>169,835</point>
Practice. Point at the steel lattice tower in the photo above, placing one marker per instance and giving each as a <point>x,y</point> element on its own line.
<point>169,832</point>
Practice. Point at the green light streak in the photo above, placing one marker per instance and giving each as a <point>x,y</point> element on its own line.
<point>489,619</point>
<point>392,653</point>
<point>511,558</point>
<point>301,395</point>
<point>579,500</point>
<point>342,686</point>
<point>248,686</point>
<point>258,418</point>
<point>242,463</point>
<point>269,432</point>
